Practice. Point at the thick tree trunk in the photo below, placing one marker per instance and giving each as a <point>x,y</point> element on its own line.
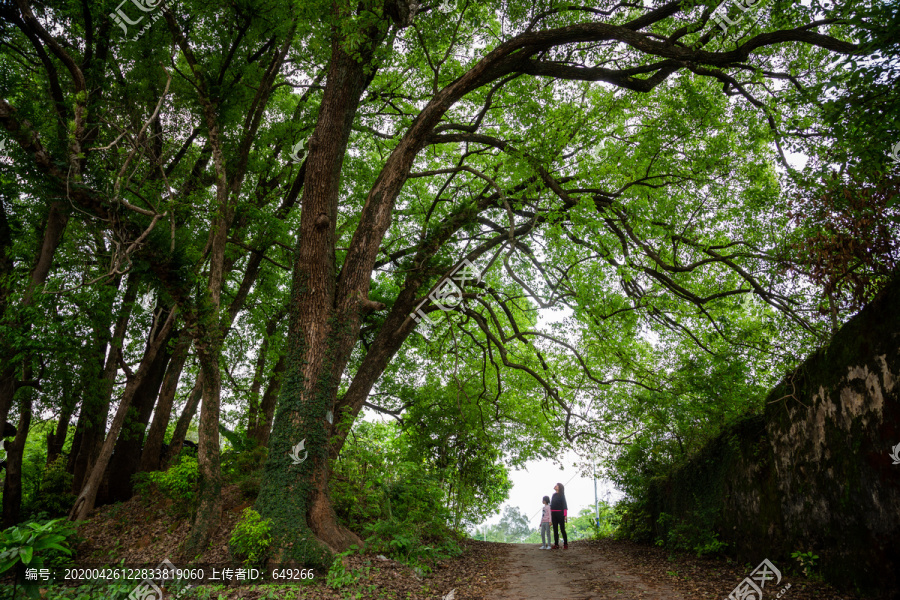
<point>12,485</point>
<point>320,338</point>
<point>150,459</point>
<point>84,504</point>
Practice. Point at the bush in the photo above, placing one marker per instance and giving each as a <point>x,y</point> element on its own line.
<point>178,483</point>
<point>694,534</point>
<point>634,521</point>
<point>245,469</point>
<point>385,490</point>
<point>54,496</point>
<point>251,537</point>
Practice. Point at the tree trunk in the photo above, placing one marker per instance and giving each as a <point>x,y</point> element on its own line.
<point>95,406</point>
<point>84,504</point>
<point>91,389</point>
<point>320,337</point>
<point>57,218</point>
<point>209,506</point>
<point>56,440</point>
<point>256,414</point>
<point>126,456</point>
<point>267,407</point>
<point>12,485</point>
<point>150,459</point>
<point>7,369</point>
<point>253,409</point>
<point>184,421</point>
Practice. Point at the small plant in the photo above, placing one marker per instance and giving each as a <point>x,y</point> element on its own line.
<point>807,561</point>
<point>694,534</point>
<point>251,537</point>
<point>30,545</point>
<point>340,576</point>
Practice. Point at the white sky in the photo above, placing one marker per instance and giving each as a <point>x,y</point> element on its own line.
<point>538,479</point>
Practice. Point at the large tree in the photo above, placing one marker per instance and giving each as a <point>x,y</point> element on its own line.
<point>341,159</point>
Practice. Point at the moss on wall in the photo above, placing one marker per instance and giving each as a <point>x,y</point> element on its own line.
<point>814,473</point>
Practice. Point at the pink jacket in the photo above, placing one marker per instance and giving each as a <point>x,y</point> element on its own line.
<point>545,514</point>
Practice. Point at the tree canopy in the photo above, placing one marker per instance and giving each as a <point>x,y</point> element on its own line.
<point>243,207</point>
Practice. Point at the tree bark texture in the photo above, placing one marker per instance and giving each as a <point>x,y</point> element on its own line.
<point>320,337</point>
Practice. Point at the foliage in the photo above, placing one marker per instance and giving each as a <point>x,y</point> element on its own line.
<point>648,198</point>
<point>339,575</point>
<point>245,468</point>
<point>693,532</point>
<point>634,519</point>
<point>251,537</point>
<point>34,545</point>
<point>585,524</point>
<point>380,489</point>
<point>846,240</point>
<point>514,524</point>
<point>54,496</point>
<point>178,483</point>
<point>807,562</point>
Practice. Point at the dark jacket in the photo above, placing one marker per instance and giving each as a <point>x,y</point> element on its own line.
<point>558,507</point>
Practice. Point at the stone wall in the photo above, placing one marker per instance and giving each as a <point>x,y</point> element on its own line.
<point>815,472</point>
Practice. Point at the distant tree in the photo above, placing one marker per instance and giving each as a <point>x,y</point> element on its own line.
<point>513,524</point>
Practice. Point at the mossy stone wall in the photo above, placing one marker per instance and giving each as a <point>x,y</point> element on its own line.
<point>814,473</point>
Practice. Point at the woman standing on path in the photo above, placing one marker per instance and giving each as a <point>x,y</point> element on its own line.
<point>559,510</point>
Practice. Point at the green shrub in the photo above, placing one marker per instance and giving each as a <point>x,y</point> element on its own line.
<point>694,534</point>
<point>34,545</point>
<point>245,469</point>
<point>633,521</point>
<point>807,562</point>
<point>178,483</point>
<point>251,537</point>
<point>54,496</point>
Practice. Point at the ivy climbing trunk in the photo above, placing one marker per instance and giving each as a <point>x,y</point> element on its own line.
<point>321,332</point>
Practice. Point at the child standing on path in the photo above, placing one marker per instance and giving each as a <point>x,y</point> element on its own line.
<point>559,510</point>
<point>545,524</point>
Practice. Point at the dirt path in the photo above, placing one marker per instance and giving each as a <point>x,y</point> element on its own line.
<point>579,573</point>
